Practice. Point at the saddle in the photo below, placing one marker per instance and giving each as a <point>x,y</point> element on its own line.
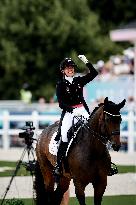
<point>72,140</point>
<point>71,132</point>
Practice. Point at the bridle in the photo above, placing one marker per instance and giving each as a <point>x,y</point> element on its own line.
<point>115,132</point>
<point>103,124</point>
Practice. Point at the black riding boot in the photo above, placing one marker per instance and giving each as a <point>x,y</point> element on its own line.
<point>60,155</point>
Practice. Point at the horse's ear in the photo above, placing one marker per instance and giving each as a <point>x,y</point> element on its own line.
<point>121,105</point>
<point>106,101</point>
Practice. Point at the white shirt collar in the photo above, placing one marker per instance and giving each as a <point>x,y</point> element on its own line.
<point>70,79</point>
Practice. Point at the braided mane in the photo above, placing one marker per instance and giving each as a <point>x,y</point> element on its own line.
<point>96,108</point>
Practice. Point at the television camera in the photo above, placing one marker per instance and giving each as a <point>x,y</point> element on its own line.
<point>28,133</point>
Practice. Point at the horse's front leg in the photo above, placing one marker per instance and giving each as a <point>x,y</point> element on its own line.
<point>80,194</point>
<point>99,189</point>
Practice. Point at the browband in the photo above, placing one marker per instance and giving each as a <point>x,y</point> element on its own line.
<point>111,114</point>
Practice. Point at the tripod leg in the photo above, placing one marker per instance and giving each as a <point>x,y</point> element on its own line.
<point>31,162</point>
<point>31,167</point>
<point>14,174</point>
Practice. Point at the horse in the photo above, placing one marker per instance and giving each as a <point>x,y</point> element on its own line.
<point>88,159</point>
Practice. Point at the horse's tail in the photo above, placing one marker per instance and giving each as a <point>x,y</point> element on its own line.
<point>39,187</point>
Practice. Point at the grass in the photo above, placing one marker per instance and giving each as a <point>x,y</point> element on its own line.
<point>22,170</point>
<point>112,200</point>
<point>126,169</point>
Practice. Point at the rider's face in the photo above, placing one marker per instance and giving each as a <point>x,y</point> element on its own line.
<point>69,71</point>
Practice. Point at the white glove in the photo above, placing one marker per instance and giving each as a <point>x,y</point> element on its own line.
<point>83,58</point>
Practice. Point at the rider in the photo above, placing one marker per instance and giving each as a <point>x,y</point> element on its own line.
<point>69,92</point>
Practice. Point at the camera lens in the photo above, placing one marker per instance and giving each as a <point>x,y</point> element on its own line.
<point>22,134</point>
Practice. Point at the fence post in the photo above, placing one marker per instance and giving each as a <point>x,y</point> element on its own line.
<point>6,136</point>
<point>35,117</point>
<point>131,132</point>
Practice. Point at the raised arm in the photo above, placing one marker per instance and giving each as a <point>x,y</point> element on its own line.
<point>92,71</point>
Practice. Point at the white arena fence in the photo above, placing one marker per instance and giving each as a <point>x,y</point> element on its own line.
<point>128,136</point>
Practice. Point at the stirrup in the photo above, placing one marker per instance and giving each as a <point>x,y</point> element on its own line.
<point>113,169</point>
<point>57,174</point>
<point>57,170</point>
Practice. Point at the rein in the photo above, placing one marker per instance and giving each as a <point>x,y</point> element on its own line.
<point>100,137</point>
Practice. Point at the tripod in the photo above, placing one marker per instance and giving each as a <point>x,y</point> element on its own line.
<point>30,165</point>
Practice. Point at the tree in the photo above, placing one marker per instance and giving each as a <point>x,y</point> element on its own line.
<point>37,34</point>
<point>113,13</point>
<point>25,45</point>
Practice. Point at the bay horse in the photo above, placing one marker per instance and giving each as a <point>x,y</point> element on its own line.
<point>88,160</point>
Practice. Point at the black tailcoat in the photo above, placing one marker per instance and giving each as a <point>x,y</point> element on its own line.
<point>70,94</point>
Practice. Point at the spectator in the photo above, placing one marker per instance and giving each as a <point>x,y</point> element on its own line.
<point>100,65</point>
<point>25,93</point>
<point>131,103</point>
<point>51,100</point>
<point>42,101</point>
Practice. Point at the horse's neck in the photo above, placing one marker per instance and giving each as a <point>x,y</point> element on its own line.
<point>94,125</point>
<point>94,120</point>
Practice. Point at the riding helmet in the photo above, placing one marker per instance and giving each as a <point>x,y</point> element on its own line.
<point>67,62</point>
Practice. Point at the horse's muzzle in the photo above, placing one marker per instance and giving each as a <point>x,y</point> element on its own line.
<point>116,147</point>
<point>116,140</point>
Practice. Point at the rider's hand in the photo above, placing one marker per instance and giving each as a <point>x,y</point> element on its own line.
<point>83,58</point>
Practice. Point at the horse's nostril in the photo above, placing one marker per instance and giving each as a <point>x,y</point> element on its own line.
<point>116,147</point>
<point>116,132</point>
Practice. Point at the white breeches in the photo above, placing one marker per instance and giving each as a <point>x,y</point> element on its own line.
<point>68,120</point>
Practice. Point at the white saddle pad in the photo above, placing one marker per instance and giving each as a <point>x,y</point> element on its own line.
<point>54,145</point>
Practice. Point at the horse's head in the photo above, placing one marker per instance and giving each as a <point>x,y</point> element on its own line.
<point>111,122</point>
